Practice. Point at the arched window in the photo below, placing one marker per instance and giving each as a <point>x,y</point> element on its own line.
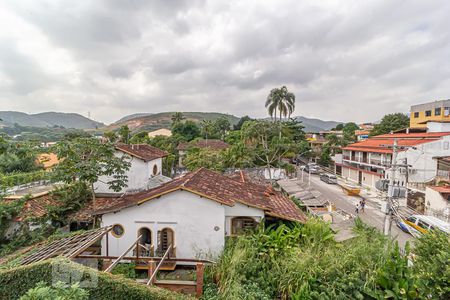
<point>166,237</point>
<point>240,225</point>
<point>117,230</point>
<point>155,170</point>
<point>146,236</point>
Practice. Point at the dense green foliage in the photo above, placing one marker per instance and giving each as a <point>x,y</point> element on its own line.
<point>87,159</point>
<point>187,131</point>
<point>304,262</point>
<point>17,156</point>
<point>391,122</point>
<point>58,291</point>
<point>14,179</point>
<point>40,134</point>
<point>15,283</point>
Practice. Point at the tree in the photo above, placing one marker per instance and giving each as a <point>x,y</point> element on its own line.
<point>111,136</point>
<point>87,160</point>
<point>241,122</point>
<point>186,131</point>
<point>349,132</point>
<point>209,129</point>
<point>282,101</point>
<point>293,129</point>
<point>338,127</point>
<point>223,126</point>
<point>204,158</point>
<point>389,123</point>
<point>262,140</point>
<point>177,117</point>
<point>139,138</point>
<point>124,133</point>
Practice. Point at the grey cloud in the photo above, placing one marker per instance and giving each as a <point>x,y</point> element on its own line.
<point>131,56</point>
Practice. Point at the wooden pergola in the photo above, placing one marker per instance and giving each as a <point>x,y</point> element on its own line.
<point>81,246</point>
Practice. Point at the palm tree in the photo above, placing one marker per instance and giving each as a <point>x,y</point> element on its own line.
<point>177,117</point>
<point>282,101</point>
<point>207,127</point>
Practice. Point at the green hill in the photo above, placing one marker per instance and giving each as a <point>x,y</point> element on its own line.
<point>48,119</point>
<point>163,120</point>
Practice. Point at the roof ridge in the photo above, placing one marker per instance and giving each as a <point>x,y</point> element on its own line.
<point>191,175</point>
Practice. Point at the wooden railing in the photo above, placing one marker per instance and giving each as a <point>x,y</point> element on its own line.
<point>111,267</point>
<point>155,271</point>
<point>143,251</point>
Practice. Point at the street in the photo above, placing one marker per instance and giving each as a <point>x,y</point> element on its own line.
<point>372,215</point>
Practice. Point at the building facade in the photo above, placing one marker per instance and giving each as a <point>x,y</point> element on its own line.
<point>368,161</point>
<point>431,111</point>
<point>146,163</point>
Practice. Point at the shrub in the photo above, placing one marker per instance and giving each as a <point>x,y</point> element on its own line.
<point>15,283</point>
<point>59,291</point>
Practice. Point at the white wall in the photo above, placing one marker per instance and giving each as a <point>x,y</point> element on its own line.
<point>241,210</point>
<point>423,166</point>
<point>434,200</point>
<point>192,218</point>
<point>438,127</point>
<point>138,175</point>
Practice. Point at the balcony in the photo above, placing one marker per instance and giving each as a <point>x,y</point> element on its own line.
<point>443,174</point>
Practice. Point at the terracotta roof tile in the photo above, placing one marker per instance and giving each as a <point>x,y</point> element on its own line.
<point>212,144</point>
<point>416,135</point>
<point>142,151</point>
<point>379,145</point>
<point>216,187</point>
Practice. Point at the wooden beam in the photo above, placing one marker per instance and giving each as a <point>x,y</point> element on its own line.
<point>109,269</point>
<point>199,273</point>
<point>153,277</point>
<point>141,258</point>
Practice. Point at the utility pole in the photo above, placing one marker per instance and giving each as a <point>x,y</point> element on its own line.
<point>388,213</point>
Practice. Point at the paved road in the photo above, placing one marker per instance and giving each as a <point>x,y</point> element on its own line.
<point>372,215</point>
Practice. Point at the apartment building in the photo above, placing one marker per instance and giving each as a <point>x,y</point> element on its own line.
<point>432,111</point>
<point>368,161</point>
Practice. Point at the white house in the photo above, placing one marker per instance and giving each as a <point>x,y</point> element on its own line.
<point>146,163</point>
<point>437,202</point>
<point>193,214</point>
<point>368,161</point>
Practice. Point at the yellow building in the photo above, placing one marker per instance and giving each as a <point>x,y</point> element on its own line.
<point>431,111</point>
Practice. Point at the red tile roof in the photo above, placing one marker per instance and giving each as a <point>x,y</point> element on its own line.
<point>219,188</point>
<point>441,189</point>
<point>213,144</point>
<point>416,135</point>
<point>381,145</point>
<point>36,207</point>
<point>142,151</point>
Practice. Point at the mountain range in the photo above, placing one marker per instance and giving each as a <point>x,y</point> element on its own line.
<point>136,122</point>
<point>48,119</point>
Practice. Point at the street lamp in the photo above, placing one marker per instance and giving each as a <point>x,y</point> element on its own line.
<point>307,151</point>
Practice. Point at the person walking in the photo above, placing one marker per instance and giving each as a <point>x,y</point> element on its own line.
<point>357,208</point>
<point>363,204</point>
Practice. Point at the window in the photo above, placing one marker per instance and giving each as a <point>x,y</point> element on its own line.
<point>155,170</point>
<point>118,230</point>
<point>411,219</point>
<point>423,224</point>
<point>428,113</point>
<point>446,111</point>
<point>437,111</point>
<point>240,225</point>
<point>446,145</point>
<point>416,114</point>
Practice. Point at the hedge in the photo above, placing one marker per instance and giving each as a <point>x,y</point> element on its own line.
<point>16,282</point>
<point>15,179</point>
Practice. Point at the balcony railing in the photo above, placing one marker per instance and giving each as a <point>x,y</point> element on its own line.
<point>443,174</point>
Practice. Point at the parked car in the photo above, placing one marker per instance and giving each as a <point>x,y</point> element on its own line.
<point>312,168</point>
<point>328,178</point>
<point>423,224</point>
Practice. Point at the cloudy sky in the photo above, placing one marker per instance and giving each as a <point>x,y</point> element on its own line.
<point>344,60</point>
